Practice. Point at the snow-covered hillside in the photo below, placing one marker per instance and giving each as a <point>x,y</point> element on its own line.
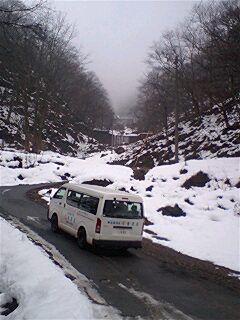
<point>71,139</point>
<point>192,207</point>
<point>208,139</point>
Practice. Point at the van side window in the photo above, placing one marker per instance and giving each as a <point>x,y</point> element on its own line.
<point>89,204</point>
<point>73,198</point>
<point>60,193</point>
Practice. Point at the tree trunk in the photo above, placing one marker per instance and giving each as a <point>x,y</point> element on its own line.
<point>176,112</point>
<point>26,130</point>
<point>39,124</point>
<point>225,116</point>
<point>166,122</point>
<point>197,109</point>
<point>10,112</point>
<point>35,129</point>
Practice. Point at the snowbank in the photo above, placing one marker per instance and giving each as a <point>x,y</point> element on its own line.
<point>21,168</point>
<point>208,231</point>
<point>39,286</point>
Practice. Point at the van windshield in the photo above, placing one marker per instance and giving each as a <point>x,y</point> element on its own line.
<point>123,209</point>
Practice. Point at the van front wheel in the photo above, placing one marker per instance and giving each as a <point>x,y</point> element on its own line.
<point>81,239</point>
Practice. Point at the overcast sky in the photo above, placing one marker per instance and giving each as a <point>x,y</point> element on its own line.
<point>117,36</point>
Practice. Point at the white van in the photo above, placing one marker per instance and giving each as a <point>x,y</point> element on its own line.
<point>98,216</point>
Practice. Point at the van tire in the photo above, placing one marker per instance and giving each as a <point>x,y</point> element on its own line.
<point>123,250</point>
<point>54,223</point>
<point>82,238</point>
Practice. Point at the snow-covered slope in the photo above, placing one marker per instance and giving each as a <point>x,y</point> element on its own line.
<point>208,139</point>
<point>193,206</point>
<point>69,136</point>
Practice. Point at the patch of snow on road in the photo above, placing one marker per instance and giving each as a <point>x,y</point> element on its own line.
<point>160,310</point>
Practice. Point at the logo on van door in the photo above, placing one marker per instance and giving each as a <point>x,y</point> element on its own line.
<point>70,218</point>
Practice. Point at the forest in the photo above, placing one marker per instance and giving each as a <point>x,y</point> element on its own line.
<point>192,69</point>
<point>44,77</point>
<point>46,84</point>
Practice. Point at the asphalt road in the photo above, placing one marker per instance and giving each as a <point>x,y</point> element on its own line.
<point>113,273</point>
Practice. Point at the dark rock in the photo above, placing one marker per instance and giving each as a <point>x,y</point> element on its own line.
<point>119,150</point>
<point>237,185</point>
<point>16,158</point>
<point>70,276</point>
<point>139,173</point>
<point>102,183</point>
<point>103,155</point>
<point>67,175</point>
<point>147,222</point>
<point>189,201</point>
<point>20,177</point>
<point>59,163</point>
<point>183,171</point>
<point>227,181</point>
<point>12,167</point>
<point>149,188</point>
<point>161,238</point>
<point>123,189</point>
<point>221,207</point>
<point>200,179</point>
<point>150,232</point>
<point>175,211</point>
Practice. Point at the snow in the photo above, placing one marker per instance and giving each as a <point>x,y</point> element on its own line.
<point>51,167</point>
<point>38,285</point>
<point>210,229</point>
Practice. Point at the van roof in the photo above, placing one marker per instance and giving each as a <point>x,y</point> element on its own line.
<point>100,190</point>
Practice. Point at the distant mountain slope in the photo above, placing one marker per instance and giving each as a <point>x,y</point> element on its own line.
<point>61,134</point>
<point>208,139</point>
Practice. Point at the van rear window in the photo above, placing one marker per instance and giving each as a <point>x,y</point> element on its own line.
<point>123,209</point>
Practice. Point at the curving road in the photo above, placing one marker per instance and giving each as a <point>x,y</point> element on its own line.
<point>164,294</point>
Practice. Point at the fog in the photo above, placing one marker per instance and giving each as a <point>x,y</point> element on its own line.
<point>117,35</point>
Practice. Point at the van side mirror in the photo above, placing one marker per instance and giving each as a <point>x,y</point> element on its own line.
<point>49,193</point>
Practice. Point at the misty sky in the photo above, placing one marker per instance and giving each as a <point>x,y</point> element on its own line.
<point>117,36</point>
